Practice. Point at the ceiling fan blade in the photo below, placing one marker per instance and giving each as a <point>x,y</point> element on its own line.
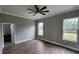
<point>34,13</point>
<point>43,8</point>
<point>42,13</point>
<point>30,12</point>
<point>30,9</point>
<point>46,11</point>
<point>36,7</point>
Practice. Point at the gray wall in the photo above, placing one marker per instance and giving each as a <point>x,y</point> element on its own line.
<point>0,8</point>
<point>25,29</point>
<point>6,29</point>
<point>53,28</point>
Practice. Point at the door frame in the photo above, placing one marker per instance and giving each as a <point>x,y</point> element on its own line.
<point>12,40</point>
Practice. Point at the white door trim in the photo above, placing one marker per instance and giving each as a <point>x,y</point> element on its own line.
<point>2,33</point>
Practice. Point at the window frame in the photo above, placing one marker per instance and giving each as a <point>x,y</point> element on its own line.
<point>76,31</point>
<point>38,29</point>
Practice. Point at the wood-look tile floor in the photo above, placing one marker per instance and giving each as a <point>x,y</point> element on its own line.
<point>36,47</point>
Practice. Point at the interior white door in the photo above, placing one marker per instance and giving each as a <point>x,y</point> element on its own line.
<point>12,26</point>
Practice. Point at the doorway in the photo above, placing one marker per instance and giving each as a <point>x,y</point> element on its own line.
<point>8,34</point>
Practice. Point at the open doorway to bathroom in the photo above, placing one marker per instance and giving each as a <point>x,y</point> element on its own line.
<point>8,33</point>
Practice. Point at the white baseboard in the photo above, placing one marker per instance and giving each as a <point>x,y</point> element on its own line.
<point>60,44</point>
<point>24,40</point>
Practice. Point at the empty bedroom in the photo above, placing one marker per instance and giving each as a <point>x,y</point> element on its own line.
<point>39,29</point>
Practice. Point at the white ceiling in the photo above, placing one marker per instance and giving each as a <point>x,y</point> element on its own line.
<point>21,10</point>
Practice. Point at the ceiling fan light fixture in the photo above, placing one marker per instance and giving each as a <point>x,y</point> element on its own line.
<point>38,10</point>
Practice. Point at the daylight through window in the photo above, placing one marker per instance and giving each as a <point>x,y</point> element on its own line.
<point>40,29</point>
<point>70,27</point>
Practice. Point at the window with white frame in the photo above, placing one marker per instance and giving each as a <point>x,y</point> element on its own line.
<point>40,29</point>
<point>70,27</point>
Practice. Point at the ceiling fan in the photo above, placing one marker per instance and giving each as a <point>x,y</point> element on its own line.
<point>38,10</point>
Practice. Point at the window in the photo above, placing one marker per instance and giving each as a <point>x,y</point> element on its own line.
<point>40,29</point>
<point>70,27</point>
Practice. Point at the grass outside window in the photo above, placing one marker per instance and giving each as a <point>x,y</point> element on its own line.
<point>70,37</point>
